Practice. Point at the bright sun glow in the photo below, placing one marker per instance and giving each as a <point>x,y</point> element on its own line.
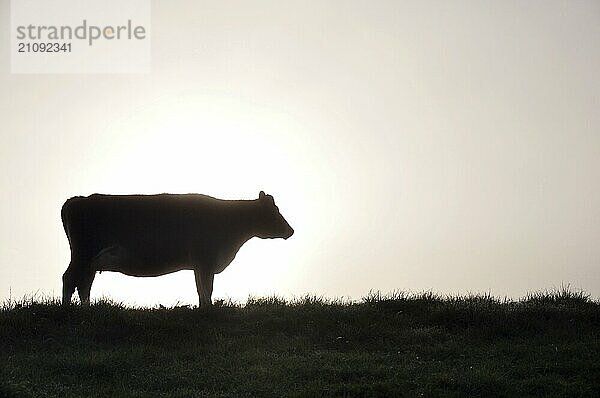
<point>171,147</point>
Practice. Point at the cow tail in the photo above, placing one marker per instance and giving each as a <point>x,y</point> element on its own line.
<point>64,216</point>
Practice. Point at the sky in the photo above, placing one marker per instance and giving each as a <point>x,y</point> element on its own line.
<point>425,145</point>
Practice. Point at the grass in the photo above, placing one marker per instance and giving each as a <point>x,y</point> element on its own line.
<point>547,344</point>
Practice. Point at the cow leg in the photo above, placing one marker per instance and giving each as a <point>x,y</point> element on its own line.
<point>85,286</point>
<point>68,283</point>
<point>204,286</point>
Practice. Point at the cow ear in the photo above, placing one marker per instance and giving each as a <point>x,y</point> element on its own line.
<point>261,195</point>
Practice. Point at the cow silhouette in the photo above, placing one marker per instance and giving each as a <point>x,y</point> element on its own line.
<point>152,235</point>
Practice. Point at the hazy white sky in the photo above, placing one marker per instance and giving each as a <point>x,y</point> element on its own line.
<point>447,145</point>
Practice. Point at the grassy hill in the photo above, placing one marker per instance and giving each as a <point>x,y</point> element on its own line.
<point>547,344</point>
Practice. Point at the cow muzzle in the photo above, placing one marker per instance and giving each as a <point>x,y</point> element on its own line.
<point>289,233</point>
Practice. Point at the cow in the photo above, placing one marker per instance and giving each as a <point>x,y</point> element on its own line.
<point>152,235</point>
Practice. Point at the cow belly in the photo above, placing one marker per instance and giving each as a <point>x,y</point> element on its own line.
<point>120,259</point>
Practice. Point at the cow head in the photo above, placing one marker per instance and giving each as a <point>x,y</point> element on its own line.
<point>271,222</point>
